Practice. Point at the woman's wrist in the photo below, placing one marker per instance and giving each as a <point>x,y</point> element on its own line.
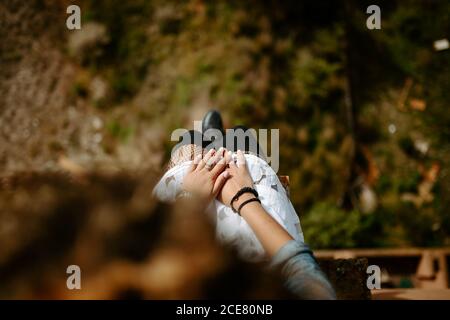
<point>243,198</point>
<point>240,193</point>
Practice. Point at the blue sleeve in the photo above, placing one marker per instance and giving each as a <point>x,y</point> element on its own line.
<point>302,273</point>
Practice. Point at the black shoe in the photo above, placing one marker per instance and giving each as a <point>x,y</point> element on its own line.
<point>212,120</point>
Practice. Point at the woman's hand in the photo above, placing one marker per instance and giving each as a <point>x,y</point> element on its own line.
<point>206,176</point>
<point>239,178</point>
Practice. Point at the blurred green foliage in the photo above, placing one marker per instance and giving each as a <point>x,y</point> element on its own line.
<point>286,65</point>
<point>331,227</point>
<point>119,131</point>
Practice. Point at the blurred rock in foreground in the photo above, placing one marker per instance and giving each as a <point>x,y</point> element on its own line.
<point>126,244</point>
<point>348,277</point>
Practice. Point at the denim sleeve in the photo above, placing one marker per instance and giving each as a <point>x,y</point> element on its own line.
<point>302,273</point>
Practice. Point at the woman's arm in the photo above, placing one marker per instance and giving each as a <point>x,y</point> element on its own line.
<point>268,231</point>
<point>296,261</point>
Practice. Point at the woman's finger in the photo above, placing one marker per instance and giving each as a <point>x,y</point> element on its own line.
<point>232,164</point>
<point>219,167</point>
<point>195,163</point>
<point>216,157</point>
<point>241,163</point>
<point>228,157</point>
<point>207,156</point>
<point>211,162</point>
<point>220,181</point>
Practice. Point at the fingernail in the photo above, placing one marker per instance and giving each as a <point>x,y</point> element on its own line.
<point>226,174</point>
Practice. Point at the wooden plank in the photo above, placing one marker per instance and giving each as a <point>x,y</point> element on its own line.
<point>411,294</point>
<point>382,252</point>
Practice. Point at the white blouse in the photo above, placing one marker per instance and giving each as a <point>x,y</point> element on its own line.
<point>232,229</point>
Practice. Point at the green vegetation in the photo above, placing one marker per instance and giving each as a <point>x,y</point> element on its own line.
<point>363,117</point>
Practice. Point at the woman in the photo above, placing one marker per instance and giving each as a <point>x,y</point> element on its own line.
<point>252,209</point>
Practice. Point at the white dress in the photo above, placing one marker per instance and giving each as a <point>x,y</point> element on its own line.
<point>231,228</point>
